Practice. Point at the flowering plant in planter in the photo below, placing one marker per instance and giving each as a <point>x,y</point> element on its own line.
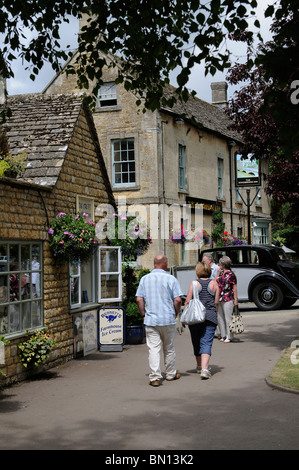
<point>227,240</point>
<point>36,349</point>
<point>72,238</point>
<point>131,234</point>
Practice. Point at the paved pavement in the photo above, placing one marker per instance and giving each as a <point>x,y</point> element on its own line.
<point>104,402</point>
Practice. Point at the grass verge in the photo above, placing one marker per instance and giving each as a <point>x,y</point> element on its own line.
<point>286,371</point>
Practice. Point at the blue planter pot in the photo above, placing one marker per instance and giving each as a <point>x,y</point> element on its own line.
<point>134,334</point>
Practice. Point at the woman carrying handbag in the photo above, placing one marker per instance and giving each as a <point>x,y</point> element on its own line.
<point>202,334</point>
<point>228,297</point>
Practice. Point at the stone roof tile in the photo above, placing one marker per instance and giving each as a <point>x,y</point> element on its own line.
<point>210,116</point>
<point>41,126</point>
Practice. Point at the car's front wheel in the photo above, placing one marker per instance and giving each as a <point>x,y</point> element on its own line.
<point>267,296</point>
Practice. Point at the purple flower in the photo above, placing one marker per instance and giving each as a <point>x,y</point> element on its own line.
<point>50,231</point>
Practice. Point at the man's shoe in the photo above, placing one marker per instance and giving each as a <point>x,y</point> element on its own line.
<point>176,377</point>
<point>155,383</point>
<point>205,374</point>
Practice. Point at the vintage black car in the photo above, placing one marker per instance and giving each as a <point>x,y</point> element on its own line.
<point>265,275</point>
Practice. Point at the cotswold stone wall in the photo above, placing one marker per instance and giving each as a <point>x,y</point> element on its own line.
<point>27,210</point>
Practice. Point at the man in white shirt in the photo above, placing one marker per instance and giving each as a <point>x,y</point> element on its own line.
<point>207,258</point>
<point>159,301</point>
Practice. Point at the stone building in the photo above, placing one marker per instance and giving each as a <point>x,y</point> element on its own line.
<point>158,161</point>
<point>65,172</point>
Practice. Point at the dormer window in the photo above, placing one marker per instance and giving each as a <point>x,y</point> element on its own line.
<point>107,97</point>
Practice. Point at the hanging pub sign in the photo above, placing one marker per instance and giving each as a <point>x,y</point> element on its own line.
<point>111,328</point>
<point>247,170</point>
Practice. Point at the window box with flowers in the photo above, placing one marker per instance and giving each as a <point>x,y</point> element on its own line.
<point>228,239</point>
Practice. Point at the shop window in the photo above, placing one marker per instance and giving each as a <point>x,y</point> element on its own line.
<point>99,280</point>
<point>21,292</point>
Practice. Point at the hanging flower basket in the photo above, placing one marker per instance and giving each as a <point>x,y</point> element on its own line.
<point>180,236</point>
<point>202,237</point>
<point>72,238</point>
<point>131,234</point>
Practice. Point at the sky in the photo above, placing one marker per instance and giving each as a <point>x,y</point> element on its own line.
<point>22,84</point>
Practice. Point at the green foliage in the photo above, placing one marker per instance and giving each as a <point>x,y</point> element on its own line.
<point>12,165</point>
<point>131,234</point>
<point>132,314</point>
<point>131,279</point>
<point>286,371</point>
<point>36,348</point>
<point>217,217</point>
<point>217,232</point>
<point>72,238</point>
<point>4,166</point>
<point>288,236</point>
<point>153,37</point>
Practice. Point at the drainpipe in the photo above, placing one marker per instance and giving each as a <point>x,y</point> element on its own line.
<point>230,144</point>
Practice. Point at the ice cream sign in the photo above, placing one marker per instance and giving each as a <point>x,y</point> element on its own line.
<point>111,327</point>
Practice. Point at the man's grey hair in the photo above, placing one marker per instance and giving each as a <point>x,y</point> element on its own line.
<point>208,255</point>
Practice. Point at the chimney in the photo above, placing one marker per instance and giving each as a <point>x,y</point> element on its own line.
<point>219,94</point>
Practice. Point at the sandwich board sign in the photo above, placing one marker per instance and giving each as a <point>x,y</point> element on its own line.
<point>111,328</point>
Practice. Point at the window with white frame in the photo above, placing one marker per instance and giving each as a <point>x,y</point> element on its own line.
<point>123,162</point>
<point>107,97</point>
<point>110,277</point>
<point>182,166</point>
<point>220,178</point>
<point>260,232</point>
<point>21,291</point>
<point>98,280</point>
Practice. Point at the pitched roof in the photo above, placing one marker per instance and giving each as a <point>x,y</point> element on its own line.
<point>210,116</point>
<point>41,126</point>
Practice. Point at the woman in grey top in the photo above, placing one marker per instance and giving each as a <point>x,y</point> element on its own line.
<point>202,334</point>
